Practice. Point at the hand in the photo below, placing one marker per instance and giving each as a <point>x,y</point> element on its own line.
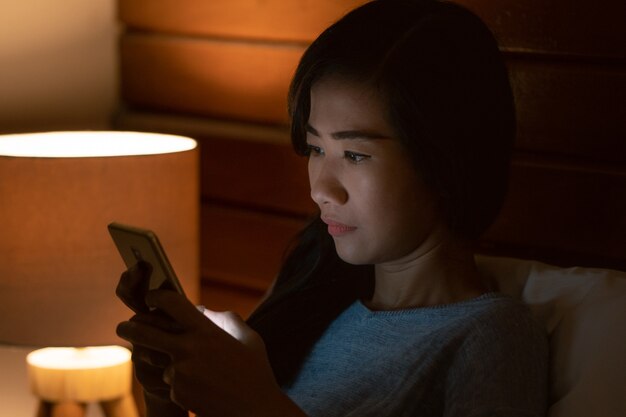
<point>218,366</point>
<point>149,365</point>
<point>133,287</point>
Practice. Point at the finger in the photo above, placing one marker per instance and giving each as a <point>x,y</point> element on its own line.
<point>147,336</point>
<point>150,357</point>
<point>175,305</point>
<point>133,286</point>
<point>151,379</point>
<point>158,319</point>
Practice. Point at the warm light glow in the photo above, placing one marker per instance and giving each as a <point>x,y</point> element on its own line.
<point>91,144</point>
<point>79,358</point>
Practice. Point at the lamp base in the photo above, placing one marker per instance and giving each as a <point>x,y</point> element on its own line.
<point>66,379</point>
<point>120,407</point>
<point>61,409</point>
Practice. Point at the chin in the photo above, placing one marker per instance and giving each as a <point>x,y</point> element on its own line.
<point>353,255</point>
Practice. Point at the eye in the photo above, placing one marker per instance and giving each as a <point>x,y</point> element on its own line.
<point>312,150</point>
<point>355,157</point>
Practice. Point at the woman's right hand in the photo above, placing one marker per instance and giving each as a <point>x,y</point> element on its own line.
<point>149,365</point>
<point>133,287</point>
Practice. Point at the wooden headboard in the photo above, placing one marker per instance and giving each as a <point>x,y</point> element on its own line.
<point>219,70</point>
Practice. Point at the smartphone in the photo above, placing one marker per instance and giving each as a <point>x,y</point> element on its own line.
<point>136,244</point>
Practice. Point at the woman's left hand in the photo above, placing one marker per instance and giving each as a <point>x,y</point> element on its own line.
<point>218,366</point>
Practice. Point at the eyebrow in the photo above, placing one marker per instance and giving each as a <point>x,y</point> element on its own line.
<point>349,134</point>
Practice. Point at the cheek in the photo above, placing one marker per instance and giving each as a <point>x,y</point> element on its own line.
<point>385,193</point>
<point>405,208</point>
<point>368,196</point>
<point>417,216</point>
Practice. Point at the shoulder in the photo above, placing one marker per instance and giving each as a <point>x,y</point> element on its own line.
<point>503,328</point>
<point>502,362</point>
<point>502,318</point>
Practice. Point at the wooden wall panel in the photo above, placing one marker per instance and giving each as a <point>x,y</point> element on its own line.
<point>201,127</point>
<point>570,109</point>
<point>563,213</point>
<point>582,28</point>
<point>275,20</point>
<point>223,79</point>
<point>244,165</point>
<point>574,28</point>
<point>280,176</point>
<point>243,248</point>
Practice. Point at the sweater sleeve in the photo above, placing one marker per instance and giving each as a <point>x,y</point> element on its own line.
<point>501,369</point>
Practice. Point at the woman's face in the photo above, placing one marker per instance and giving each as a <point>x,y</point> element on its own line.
<point>375,205</point>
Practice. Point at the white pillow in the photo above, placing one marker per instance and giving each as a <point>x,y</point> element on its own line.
<point>584,311</point>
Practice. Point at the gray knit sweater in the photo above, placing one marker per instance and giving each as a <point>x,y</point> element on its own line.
<point>482,357</point>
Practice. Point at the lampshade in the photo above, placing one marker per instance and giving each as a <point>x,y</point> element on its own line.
<point>58,192</point>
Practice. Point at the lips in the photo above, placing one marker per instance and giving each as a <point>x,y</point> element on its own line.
<point>337,229</point>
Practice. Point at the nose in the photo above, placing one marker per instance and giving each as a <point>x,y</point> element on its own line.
<point>326,185</point>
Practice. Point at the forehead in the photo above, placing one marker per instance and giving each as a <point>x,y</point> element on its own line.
<point>337,103</point>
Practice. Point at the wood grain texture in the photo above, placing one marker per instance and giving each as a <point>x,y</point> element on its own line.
<point>231,80</point>
<point>575,28</point>
<point>276,20</point>
<point>571,214</point>
<point>201,127</point>
<point>567,27</point>
<point>244,248</point>
<point>569,109</point>
<point>245,165</point>
<point>263,176</point>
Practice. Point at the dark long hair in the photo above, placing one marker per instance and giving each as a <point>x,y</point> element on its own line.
<point>438,70</point>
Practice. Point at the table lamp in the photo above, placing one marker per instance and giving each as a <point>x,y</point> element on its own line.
<point>58,265</point>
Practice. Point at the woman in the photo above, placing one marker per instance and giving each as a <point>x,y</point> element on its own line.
<point>405,113</point>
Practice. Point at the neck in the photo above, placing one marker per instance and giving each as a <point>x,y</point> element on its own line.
<point>441,271</point>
